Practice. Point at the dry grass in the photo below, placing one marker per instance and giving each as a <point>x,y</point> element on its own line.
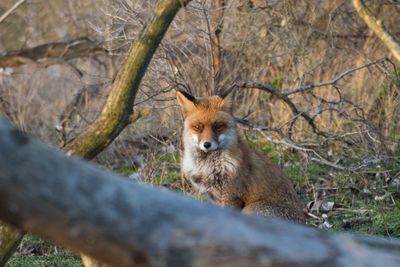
<point>281,43</point>
<point>286,44</point>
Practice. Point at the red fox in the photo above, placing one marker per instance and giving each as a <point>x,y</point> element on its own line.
<point>218,162</point>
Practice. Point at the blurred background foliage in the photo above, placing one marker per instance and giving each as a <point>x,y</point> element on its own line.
<point>348,176</point>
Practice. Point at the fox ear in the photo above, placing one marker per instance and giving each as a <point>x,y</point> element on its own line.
<point>186,101</point>
<point>227,101</point>
<point>227,104</point>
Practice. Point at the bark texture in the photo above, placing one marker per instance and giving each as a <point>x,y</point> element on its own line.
<point>377,27</point>
<point>10,238</point>
<point>119,105</point>
<point>117,112</point>
<point>122,223</point>
<point>219,7</point>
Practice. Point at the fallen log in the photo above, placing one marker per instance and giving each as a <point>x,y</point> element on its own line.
<point>77,205</point>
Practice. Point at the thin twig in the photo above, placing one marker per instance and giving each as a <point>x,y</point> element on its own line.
<point>313,152</point>
<point>11,10</point>
<point>284,98</point>
<point>334,80</point>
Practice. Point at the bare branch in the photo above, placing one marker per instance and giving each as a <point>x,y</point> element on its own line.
<point>124,223</point>
<point>268,88</point>
<point>11,10</point>
<point>119,105</point>
<point>378,28</point>
<point>334,80</point>
<point>317,107</point>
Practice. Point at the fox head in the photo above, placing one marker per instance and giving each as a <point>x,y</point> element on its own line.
<point>209,124</point>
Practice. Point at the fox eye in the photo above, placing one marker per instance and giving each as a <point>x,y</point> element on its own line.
<point>198,127</point>
<point>219,126</point>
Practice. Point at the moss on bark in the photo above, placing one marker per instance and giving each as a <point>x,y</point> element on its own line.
<point>119,105</point>
<point>117,111</point>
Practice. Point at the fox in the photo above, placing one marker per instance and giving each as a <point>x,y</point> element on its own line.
<point>216,161</point>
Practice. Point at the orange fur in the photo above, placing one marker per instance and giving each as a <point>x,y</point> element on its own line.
<point>233,174</point>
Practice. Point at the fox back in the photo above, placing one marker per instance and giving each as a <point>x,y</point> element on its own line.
<point>218,162</point>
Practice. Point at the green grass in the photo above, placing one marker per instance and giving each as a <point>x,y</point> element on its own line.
<point>294,166</point>
<point>36,252</point>
<point>374,212</point>
<point>126,170</point>
<point>265,147</point>
<point>170,170</point>
<point>277,82</point>
<point>363,219</point>
<point>166,167</point>
<point>367,215</point>
<point>297,174</point>
<point>32,244</point>
<point>354,210</point>
<point>44,261</point>
<point>172,157</point>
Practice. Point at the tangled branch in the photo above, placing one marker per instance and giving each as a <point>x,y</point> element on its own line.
<point>312,150</point>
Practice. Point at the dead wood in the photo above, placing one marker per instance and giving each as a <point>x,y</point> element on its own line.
<point>123,223</point>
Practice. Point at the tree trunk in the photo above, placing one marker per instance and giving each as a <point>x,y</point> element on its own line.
<point>123,223</point>
<point>377,27</point>
<point>116,113</point>
<point>217,17</point>
<point>119,105</point>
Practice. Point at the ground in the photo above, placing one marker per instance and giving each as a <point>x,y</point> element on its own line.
<point>335,200</point>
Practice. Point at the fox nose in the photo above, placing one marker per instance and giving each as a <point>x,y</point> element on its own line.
<point>207,145</point>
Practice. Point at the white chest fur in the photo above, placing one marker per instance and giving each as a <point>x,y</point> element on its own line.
<point>205,171</point>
